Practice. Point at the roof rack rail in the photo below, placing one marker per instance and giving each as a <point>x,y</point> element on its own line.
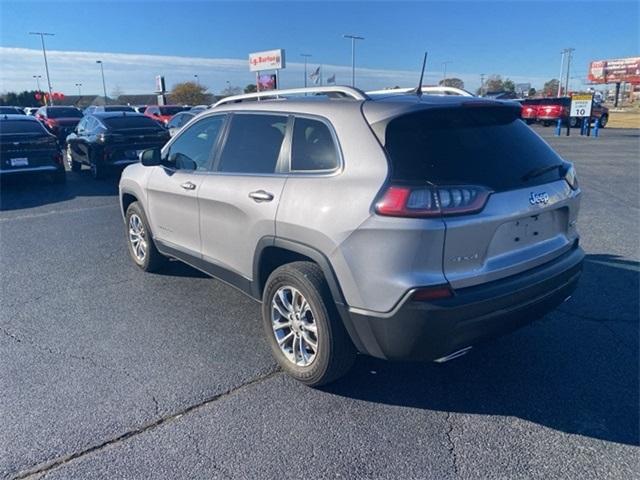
<point>338,91</point>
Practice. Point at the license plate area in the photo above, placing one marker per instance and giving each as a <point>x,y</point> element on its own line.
<point>19,162</point>
<point>528,231</point>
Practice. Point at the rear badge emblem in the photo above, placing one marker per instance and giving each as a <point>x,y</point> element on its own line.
<point>540,198</point>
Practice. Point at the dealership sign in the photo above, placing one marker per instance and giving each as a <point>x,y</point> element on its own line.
<point>269,60</point>
<point>581,105</point>
<point>615,71</point>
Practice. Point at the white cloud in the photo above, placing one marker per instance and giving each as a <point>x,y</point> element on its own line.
<point>135,73</point>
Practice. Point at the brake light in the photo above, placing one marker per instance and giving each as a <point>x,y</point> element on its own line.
<point>422,201</point>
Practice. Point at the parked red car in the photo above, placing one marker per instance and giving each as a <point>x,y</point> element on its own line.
<point>529,110</point>
<point>549,110</point>
<point>163,113</point>
<point>60,121</point>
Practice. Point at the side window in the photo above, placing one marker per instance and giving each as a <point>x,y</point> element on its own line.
<point>193,148</point>
<point>253,143</point>
<point>175,122</point>
<point>312,146</point>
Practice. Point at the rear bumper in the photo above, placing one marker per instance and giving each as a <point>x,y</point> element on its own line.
<point>428,331</point>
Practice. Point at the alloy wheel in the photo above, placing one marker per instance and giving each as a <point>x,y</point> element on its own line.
<point>294,326</point>
<point>137,237</point>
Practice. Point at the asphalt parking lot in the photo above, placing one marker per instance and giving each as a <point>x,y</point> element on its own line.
<point>107,372</point>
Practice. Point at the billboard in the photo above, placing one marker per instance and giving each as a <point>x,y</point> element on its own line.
<point>269,60</point>
<point>615,71</point>
<point>267,82</point>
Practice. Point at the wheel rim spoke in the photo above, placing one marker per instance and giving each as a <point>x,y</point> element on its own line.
<point>294,326</point>
<point>137,237</point>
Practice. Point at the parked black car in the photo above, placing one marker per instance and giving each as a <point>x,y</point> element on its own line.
<point>108,108</point>
<point>11,111</point>
<point>59,120</point>
<point>109,140</point>
<point>27,147</point>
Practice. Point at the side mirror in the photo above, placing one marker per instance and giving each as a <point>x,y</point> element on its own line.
<point>150,157</point>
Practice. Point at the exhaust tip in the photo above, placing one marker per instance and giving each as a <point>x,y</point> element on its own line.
<point>453,355</point>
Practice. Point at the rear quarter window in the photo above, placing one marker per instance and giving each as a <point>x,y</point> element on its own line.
<point>488,146</point>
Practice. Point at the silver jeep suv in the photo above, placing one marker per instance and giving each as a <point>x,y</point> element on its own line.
<point>402,227</point>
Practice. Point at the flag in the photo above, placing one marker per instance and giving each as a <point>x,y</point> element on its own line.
<point>332,79</point>
<point>315,76</point>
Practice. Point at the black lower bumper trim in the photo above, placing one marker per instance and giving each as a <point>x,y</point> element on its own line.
<point>427,331</point>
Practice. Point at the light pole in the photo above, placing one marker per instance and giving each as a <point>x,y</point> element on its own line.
<point>197,80</point>
<point>482,84</point>
<point>38,77</point>
<point>569,55</point>
<point>353,56</point>
<point>444,71</point>
<point>79,92</point>
<point>306,56</point>
<point>104,86</point>
<point>46,65</point>
<point>561,72</point>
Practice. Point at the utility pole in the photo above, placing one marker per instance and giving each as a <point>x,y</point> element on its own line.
<point>353,56</point>
<point>444,70</point>
<point>306,56</point>
<point>562,53</point>
<point>569,55</point>
<point>79,91</point>
<point>38,77</point>
<point>482,84</point>
<point>46,65</point>
<point>104,85</point>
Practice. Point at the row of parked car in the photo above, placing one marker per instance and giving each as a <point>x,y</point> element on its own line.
<point>548,111</point>
<point>104,138</point>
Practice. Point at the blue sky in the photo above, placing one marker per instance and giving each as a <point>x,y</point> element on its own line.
<point>139,39</point>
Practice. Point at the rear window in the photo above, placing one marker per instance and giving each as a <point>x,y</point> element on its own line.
<point>116,108</point>
<point>486,146</point>
<point>18,126</point>
<point>123,123</point>
<point>64,113</point>
<point>171,110</point>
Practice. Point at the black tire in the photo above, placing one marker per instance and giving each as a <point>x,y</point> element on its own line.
<point>604,120</point>
<point>335,353</point>
<point>530,121</point>
<point>97,171</point>
<point>153,260</point>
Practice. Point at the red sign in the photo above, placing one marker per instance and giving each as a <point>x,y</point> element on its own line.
<point>615,71</point>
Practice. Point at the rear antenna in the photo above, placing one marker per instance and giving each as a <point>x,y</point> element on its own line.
<point>418,90</point>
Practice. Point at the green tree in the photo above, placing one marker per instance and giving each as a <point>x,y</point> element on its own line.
<point>550,88</point>
<point>494,83</point>
<point>189,93</point>
<point>251,88</point>
<point>508,86</point>
<point>452,82</point>
<point>532,92</point>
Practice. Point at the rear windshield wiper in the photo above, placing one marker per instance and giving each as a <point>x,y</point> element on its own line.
<point>541,171</point>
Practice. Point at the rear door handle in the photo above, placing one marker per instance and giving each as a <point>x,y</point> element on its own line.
<point>188,186</point>
<point>261,196</point>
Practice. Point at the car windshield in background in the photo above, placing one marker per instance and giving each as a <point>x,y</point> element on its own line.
<point>126,122</point>
<point>119,108</point>
<point>171,110</point>
<point>64,113</point>
<point>486,146</point>
<point>21,126</point>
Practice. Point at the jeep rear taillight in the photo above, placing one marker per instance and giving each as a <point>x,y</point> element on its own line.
<point>428,201</point>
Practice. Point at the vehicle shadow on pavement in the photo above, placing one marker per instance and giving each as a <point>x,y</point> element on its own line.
<point>28,191</point>
<point>575,371</point>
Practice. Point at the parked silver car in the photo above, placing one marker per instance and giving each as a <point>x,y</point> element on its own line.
<point>403,227</point>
